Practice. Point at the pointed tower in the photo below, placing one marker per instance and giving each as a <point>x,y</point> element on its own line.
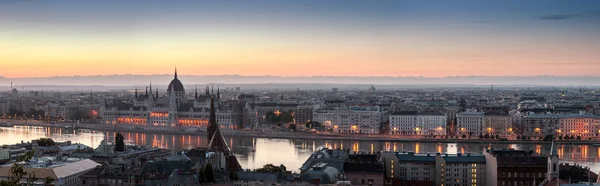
<point>196,93</point>
<point>553,163</point>
<point>146,91</point>
<point>207,91</point>
<point>156,96</point>
<point>218,94</point>
<point>136,94</point>
<point>212,121</point>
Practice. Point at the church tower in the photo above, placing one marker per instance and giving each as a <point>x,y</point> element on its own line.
<point>212,121</point>
<point>553,163</point>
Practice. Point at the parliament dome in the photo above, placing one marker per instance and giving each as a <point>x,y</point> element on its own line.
<point>175,85</point>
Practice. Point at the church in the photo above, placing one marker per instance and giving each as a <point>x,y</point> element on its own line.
<point>174,109</point>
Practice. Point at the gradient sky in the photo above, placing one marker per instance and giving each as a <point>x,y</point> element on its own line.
<point>300,38</point>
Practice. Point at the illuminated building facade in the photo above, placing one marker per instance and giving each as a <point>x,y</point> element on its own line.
<point>414,123</point>
<point>172,109</point>
<point>470,123</point>
<point>409,168</point>
<point>352,119</point>
<point>582,125</point>
<point>498,123</point>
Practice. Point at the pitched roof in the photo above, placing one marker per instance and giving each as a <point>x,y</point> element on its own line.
<point>218,143</point>
<point>58,172</point>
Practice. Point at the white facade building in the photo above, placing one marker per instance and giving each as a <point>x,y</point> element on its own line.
<point>498,124</point>
<point>353,119</point>
<point>470,123</point>
<point>583,125</point>
<point>413,123</point>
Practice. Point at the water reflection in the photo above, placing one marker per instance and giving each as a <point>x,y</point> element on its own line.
<point>255,152</point>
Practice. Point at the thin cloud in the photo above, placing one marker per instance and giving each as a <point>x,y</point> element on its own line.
<point>558,17</point>
<point>574,63</point>
<point>484,21</point>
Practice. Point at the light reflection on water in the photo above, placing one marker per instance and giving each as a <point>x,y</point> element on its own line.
<point>256,152</point>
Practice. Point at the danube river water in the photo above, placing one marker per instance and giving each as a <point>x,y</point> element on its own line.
<point>256,152</point>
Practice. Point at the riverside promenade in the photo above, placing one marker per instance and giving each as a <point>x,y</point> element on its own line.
<point>293,135</point>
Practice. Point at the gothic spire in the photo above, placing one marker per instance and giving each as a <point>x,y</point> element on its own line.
<point>147,91</point>
<point>156,97</point>
<point>196,93</point>
<point>218,94</point>
<point>207,90</point>
<point>150,88</point>
<point>136,94</point>
<point>553,150</point>
<point>212,121</point>
<point>175,72</point>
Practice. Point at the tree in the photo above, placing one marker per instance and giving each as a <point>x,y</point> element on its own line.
<point>12,111</point>
<point>548,137</point>
<point>480,136</point>
<point>578,137</point>
<point>567,137</point>
<point>31,113</point>
<point>48,181</point>
<point>278,117</point>
<point>232,175</point>
<point>487,136</point>
<point>45,142</point>
<point>312,124</point>
<point>119,143</point>
<point>270,168</point>
<point>17,172</point>
<point>464,136</point>
<point>209,173</point>
<point>518,137</point>
<point>560,137</point>
<point>497,136</point>
<point>292,127</point>
<point>523,137</point>
<point>201,177</point>
<point>572,137</point>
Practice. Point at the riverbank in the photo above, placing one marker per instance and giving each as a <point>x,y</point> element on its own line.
<point>294,135</point>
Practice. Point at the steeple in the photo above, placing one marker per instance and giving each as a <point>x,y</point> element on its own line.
<point>196,93</point>
<point>150,90</point>
<point>218,94</point>
<point>553,163</point>
<point>175,72</point>
<point>156,96</point>
<point>212,90</point>
<point>147,91</point>
<point>212,121</point>
<point>207,90</point>
<point>553,151</point>
<point>136,94</point>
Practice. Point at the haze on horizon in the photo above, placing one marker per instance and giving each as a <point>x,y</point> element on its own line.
<point>300,38</point>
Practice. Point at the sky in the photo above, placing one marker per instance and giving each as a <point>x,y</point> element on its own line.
<point>426,38</point>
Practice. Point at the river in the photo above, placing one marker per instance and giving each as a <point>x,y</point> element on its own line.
<point>256,152</point>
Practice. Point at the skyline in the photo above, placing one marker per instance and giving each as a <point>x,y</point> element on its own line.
<point>300,38</point>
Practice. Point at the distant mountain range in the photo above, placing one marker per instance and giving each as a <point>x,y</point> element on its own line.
<point>161,81</point>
